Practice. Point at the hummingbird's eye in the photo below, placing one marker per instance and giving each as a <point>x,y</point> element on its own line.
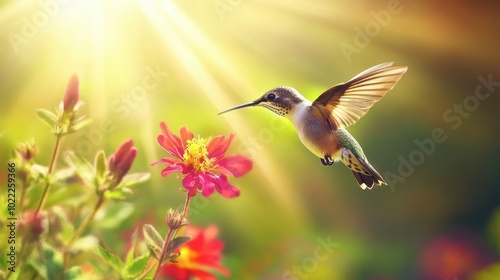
<point>271,97</point>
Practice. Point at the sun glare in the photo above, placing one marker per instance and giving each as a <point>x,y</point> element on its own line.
<point>187,43</point>
<point>110,43</point>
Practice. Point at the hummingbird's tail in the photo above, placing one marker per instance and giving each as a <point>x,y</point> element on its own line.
<point>363,171</point>
<point>368,181</point>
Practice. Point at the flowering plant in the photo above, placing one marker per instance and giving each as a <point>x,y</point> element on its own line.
<point>57,205</point>
<point>198,257</point>
<point>59,208</point>
<point>204,167</point>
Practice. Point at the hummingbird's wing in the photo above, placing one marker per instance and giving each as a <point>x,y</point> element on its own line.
<point>349,101</point>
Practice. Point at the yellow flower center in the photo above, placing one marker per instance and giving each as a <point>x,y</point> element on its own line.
<point>196,155</point>
<point>185,260</point>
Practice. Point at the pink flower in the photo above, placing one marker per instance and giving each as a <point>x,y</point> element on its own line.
<point>120,162</point>
<point>71,97</point>
<point>199,257</point>
<point>202,162</point>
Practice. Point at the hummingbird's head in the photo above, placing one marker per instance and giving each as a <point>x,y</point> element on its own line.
<point>280,100</point>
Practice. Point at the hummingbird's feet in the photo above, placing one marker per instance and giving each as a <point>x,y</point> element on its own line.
<point>327,160</point>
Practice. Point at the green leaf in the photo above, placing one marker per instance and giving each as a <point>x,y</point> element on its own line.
<point>153,239</point>
<point>111,259</point>
<point>68,195</point>
<point>38,172</point>
<point>64,174</point>
<point>114,214</point>
<point>47,117</point>
<point>100,166</point>
<point>81,123</point>
<point>133,179</point>
<point>82,167</point>
<point>131,251</point>
<point>74,273</point>
<point>35,266</point>
<point>137,266</point>
<point>54,262</point>
<point>177,242</point>
<point>120,193</point>
<point>154,251</point>
<point>85,243</point>
<point>59,218</point>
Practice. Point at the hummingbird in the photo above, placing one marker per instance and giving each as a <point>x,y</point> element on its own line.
<point>321,124</point>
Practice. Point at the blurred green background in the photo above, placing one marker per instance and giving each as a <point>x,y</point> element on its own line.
<point>182,62</point>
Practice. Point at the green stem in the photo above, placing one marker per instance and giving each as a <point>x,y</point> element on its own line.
<point>51,169</point>
<point>186,206</point>
<point>24,186</point>
<point>170,234</point>
<point>45,192</point>
<point>82,228</point>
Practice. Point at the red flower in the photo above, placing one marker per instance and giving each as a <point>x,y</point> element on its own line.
<point>456,255</point>
<point>199,257</point>
<point>32,225</point>
<point>120,162</point>
<point>197,159</point>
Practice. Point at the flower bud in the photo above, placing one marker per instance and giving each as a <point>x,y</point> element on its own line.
<point>175,219</point>
<point>32,225</point>
<point>27,151</point>
<point>71,97</point>
<point>120,162</point>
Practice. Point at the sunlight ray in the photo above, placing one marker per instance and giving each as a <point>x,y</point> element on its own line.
<point>210,87</point>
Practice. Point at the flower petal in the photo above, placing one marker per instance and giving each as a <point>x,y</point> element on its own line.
<point>219,145</point>
<point>191,181</point>
<point>186,134</point>
<point>170,142</point>
<point>236,165</point>
<point>124,165</point>
<point>224,187</point>
<point>210,232</point>
<point>207,186</point>
<point>169,146</point>
<point>214,141</point>
<point>123,150</point>
<point>203,255</point>
<point>171,169</point>
<point>71,96</point>
<point>166,161</point>
<point>176,272</point>
<point>184,273</point>
<point>192,192</point>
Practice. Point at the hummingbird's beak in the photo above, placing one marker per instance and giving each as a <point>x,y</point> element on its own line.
<point>244,105</point>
